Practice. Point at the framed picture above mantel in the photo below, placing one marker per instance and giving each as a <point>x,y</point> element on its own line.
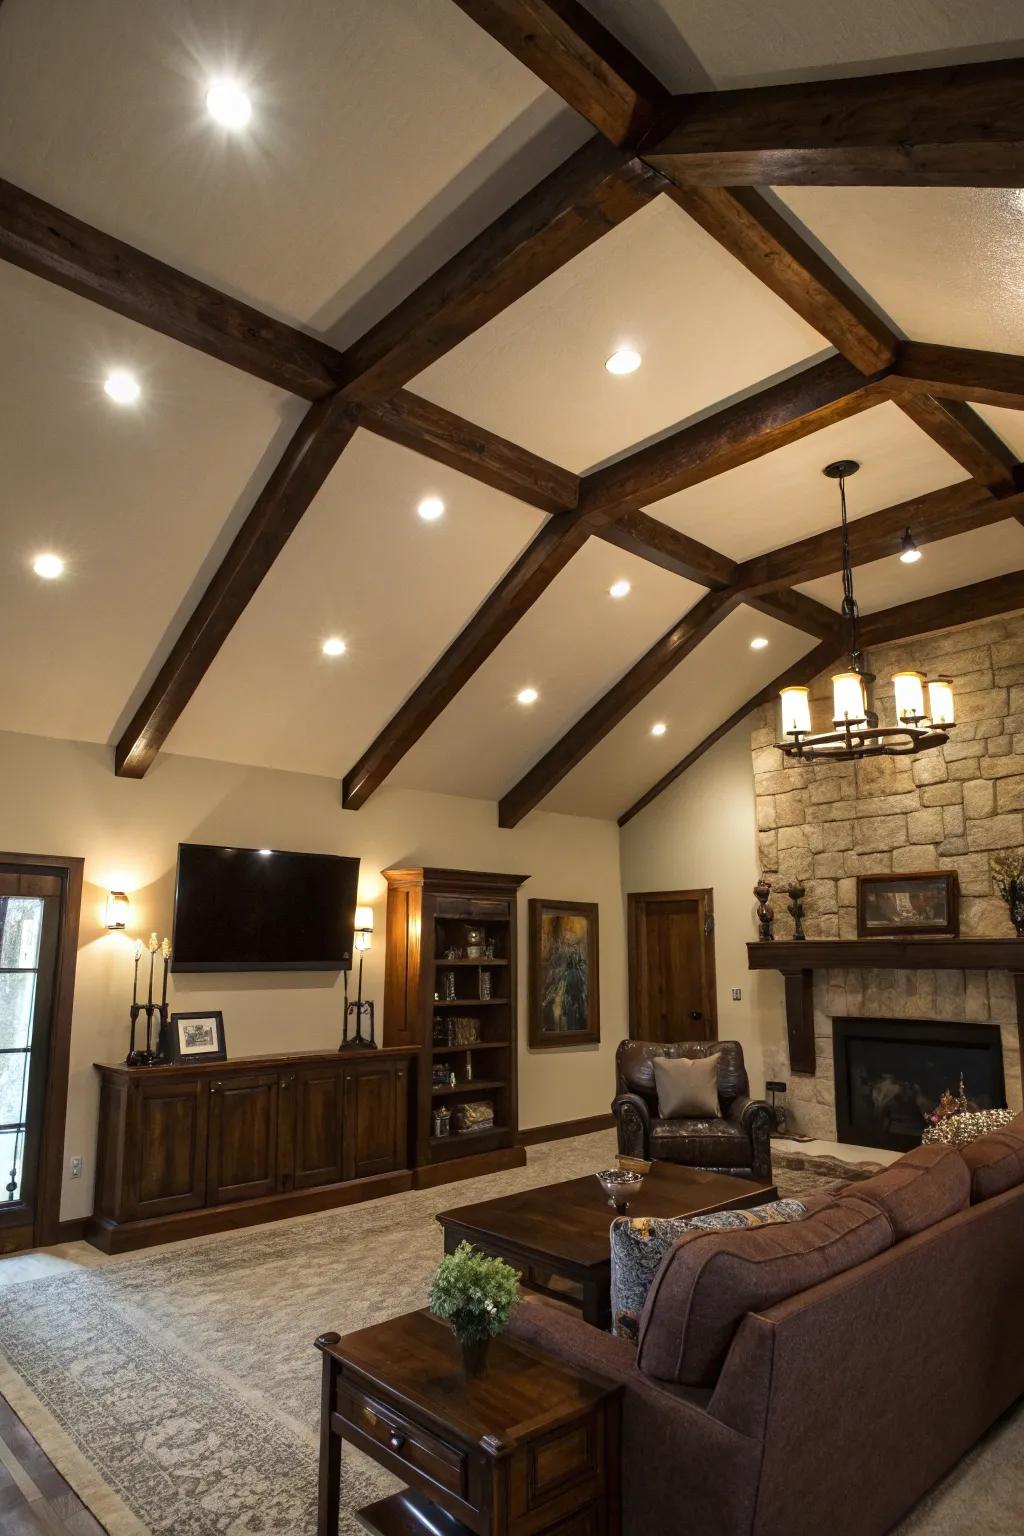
<point>564,981</point>
<point>908,905</point>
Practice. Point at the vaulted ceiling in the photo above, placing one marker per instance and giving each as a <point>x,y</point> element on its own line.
<point>216,533</point>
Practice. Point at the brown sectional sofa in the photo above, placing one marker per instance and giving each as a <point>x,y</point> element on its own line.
<point>833,1406</point>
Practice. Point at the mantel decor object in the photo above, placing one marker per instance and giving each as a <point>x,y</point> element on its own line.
<point>475,1295</point>
<point>902,906</point>
<point>797,892</point>
<point>856,732</point>
<point>765,913</point>
<point>152,1054</point>
<point>1008,879</point>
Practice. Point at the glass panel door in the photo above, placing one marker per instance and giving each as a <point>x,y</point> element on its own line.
<point>28,934</point>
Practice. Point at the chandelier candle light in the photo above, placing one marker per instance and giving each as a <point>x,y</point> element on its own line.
<point>856,732</point>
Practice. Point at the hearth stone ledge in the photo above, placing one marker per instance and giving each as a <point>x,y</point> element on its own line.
<point>963,997</point>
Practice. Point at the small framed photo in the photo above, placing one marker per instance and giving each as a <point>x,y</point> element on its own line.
<point>903,906</point>
<point>196,1037</point>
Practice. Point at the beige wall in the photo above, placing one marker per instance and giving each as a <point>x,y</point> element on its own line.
<point>700,832</point>
<point>62,798</point>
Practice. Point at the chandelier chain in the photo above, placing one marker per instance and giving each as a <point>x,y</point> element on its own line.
<point>850,609</point>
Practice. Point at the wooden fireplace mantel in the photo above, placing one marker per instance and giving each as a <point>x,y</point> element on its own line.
<point>798,961</point>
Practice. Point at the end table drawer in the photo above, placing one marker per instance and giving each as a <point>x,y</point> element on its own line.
<point>419,1450</point>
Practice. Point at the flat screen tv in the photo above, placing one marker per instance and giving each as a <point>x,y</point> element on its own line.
<point>262,909</point>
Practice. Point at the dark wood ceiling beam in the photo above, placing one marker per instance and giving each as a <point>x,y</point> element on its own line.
<point>530,576</point>
<point>962,433</point>
<point>798,611</point>
<point>962,605</point>
<point>595,190</point>
<point>961,125</point>
<point>652,668</point>
<point>307,461</point>
<point>752,230</point>
<point>799,675</point>
<point>876,536</point>
<point>561,43</point>
<point>782,413</point>
<point>51,244</point>
<point>660,544</point>
<point>960,373</point>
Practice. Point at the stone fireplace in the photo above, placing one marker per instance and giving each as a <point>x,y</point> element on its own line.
<point>825,824</point>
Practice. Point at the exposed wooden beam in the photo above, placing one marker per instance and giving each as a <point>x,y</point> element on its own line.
<point>935,515</point>
<point>652,668</point>
<point>640,534</point>
<point>799,611</point>
<point>961,125</point>
<point>307,461</point>
<point>575,205</point>
<point>801,673</point>
<point>747,225</point>
<point>53,245</point>
<point>959,373</point>
<point>968,439</point>
<point>962,605</point>
<point>438,434</point>
<point>566,47</point>
<point>534,571</point>
<point>824,393</point>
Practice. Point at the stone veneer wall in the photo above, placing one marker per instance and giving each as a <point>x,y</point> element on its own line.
<point>947,809</point>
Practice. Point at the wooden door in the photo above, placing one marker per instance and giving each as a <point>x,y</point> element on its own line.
<point>374,1118</point>
<point>672,966</point>
<point>166,1144</point>
<point>242,1162</point>
<point>318,1122</point>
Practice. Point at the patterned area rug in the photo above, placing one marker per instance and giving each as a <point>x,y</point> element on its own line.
<point>178,1391</point>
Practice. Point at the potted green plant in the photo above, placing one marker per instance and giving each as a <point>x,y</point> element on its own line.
<point>475,1295</point>
<point>1008,879</point>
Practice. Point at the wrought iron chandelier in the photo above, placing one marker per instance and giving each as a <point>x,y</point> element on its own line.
<point>856,732</point>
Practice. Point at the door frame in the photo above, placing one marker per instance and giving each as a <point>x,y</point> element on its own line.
<point>46,1224</point>
<point>637,905</point>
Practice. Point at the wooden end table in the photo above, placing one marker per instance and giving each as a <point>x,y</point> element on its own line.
<point>528,1446</point>
<point>557,1236</point>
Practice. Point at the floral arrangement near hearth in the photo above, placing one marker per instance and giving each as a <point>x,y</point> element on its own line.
<point>475,1295</point>
<point>1008,878</point>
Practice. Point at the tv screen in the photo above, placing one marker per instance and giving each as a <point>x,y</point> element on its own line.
<point>261,909</point>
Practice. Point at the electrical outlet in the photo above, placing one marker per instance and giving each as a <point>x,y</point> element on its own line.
<point>76,1167</point>
<point>736,994</point>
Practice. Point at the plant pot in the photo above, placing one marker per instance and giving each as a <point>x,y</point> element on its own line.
<point>474,1357</point>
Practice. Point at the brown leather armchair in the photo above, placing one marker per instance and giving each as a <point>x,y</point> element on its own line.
<point>738,1142</point>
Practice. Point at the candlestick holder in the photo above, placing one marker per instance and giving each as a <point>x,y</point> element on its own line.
<point>765,913</point>
<point>156,1029</point>
<point>796,909</point>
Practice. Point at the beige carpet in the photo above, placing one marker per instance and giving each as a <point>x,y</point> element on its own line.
<point>177,1391</point>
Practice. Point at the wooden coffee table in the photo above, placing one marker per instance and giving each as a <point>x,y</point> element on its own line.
<point>558,1235</point>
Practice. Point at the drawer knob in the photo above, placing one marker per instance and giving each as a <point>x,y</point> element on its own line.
<point>395,1440</point>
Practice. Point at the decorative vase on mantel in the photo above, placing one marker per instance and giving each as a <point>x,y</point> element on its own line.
<point>1008,879</point>
<point>1016,905</point>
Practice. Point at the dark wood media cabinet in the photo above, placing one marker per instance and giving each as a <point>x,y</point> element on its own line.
<point>187,1150</point>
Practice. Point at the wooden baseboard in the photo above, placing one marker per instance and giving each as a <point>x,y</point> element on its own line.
<point>123,1237</point>
<point>469,1167</point>
<point>71,1231</point>
<point>564,1128</point>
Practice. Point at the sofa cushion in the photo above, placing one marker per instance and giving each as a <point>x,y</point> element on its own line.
<point>687,1087</point>
<point>919,1189</point>
<point>995,1162</point>
<point>701,1143</point>
<point>709,1281</point>
<point>639,1243</point>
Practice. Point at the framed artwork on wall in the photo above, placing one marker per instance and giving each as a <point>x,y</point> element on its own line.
<point>196,1037</point>
<point>902,906</point>
<point>565,1004</point>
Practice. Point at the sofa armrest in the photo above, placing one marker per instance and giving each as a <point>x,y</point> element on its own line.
<point>633,1122</point>
<point>757,1118</point>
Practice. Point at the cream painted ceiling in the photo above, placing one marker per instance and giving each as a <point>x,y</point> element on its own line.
<point>386,133</point>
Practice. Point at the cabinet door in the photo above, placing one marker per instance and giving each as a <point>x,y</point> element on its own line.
<point>375,1118</point>
<point>165,1147</point>
<point>318,1121</point>
<point>243,1137</point>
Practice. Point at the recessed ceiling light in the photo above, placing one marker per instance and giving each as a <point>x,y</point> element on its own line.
<point>527,696</point>
<point>909,552</point>
<point>659,728</point>
<point>122,386</point>
<point>228,104</point>
<point>431,508</point>
<point>48,566</point>
<point>758,643</point>
<point>334,647</point>
<point>625,360</point>
<point>619,589</point>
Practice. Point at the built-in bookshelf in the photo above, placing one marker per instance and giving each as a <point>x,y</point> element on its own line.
<point>450,992</point>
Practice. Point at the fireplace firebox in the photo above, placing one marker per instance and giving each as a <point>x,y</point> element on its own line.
<point>891,1073</point>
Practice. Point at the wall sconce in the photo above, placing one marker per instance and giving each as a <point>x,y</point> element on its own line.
<point>117,911</point>
<point>363,927</point>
